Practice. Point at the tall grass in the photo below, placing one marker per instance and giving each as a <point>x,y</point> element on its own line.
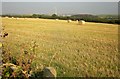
<point>74,50</point>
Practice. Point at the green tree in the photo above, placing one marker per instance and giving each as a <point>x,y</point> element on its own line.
<point>54,15</point>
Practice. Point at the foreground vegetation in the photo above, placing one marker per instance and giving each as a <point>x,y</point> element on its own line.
<point>72,49</point>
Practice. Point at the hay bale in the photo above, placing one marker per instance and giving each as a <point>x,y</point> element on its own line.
<point>37,18</point>
<point>69,21</point>
<point>81,22</point>
<point>17,18</point>
<point>12,17</point>
<point>56,19</point>
<point>77,21</point>
<point>6,17</point>
<point>49,72</point>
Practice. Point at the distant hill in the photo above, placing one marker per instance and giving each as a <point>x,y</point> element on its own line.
<point>113,17</point>
<point>83,16</point>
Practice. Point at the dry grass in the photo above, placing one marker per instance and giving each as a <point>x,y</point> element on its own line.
<point>82,50</point>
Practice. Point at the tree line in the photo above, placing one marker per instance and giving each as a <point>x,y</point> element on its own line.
<point>85,17</point>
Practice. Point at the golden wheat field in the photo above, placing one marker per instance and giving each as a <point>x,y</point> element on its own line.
<point>76,50</point>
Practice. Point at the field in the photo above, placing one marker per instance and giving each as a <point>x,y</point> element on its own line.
<point>75,50</point>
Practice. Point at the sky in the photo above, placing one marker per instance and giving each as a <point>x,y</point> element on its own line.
<point>59,7</point>
<point>59,0</point>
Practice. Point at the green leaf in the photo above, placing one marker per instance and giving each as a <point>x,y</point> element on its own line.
<point>7,74</point>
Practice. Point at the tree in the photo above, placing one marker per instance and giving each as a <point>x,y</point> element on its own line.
<point>54,15</point>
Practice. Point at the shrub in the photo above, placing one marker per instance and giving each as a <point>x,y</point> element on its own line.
<point>18,66</point>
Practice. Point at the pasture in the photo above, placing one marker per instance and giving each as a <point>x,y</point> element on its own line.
<point>76,50</point>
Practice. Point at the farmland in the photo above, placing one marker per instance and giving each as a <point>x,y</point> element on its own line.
<point>77,50</point>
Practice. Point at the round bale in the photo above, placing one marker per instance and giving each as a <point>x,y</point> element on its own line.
<point>69,21</point>
<point>81,22</point>
<point>12,17</point>
<point>77,21</point>
<point>17,18</point>
<point>6,17</point>
<point>56,19</point>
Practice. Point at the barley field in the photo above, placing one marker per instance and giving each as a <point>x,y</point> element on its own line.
<point>72,49</point>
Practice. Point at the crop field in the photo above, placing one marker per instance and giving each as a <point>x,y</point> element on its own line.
<point>72,49</point>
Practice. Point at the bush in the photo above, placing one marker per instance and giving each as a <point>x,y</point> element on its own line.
<point>18,66</point>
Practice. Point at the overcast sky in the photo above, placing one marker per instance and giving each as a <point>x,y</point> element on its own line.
<point>62,7</point>
<point>59,0</point>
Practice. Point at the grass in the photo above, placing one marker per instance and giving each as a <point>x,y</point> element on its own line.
<point>81,50</point>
